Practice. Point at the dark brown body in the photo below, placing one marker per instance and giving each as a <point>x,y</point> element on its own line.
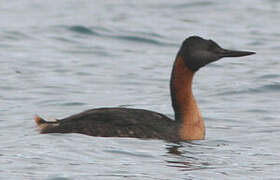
<point>116,122</point>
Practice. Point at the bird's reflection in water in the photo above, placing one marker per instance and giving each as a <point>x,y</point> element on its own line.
<point>174,149</point>
<point>185,160</point>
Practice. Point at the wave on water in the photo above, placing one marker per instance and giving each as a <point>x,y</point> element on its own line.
<point>119,34</point>
<point>82,30</point>
<point>15,35</point>
<point>274,87</point>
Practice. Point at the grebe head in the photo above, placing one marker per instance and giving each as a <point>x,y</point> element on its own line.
<point>197,52</point>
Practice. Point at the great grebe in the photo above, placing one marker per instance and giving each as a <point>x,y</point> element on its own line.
<point>194,53</point>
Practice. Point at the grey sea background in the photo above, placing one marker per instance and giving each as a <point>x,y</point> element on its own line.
<point>58,58</point>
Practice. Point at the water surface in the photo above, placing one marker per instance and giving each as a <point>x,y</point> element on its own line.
<point>60,57</point>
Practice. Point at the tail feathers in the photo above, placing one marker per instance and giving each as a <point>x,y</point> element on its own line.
<point>39,120</point>
<point>45,126</point>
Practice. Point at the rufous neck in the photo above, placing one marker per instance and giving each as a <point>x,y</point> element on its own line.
<point>185,107</point>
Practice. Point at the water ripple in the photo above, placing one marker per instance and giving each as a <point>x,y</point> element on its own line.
<point>195,4</point>
<point>270,76</point>
<point>82,30</point>
<point>119,34</point>
<point>273,87</point>
<point>16,35</point>
<point>138,39</point>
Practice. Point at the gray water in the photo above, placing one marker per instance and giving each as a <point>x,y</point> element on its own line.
<point>58,58</point>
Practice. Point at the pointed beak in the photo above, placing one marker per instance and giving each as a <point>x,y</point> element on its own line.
<point>233,53</point>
